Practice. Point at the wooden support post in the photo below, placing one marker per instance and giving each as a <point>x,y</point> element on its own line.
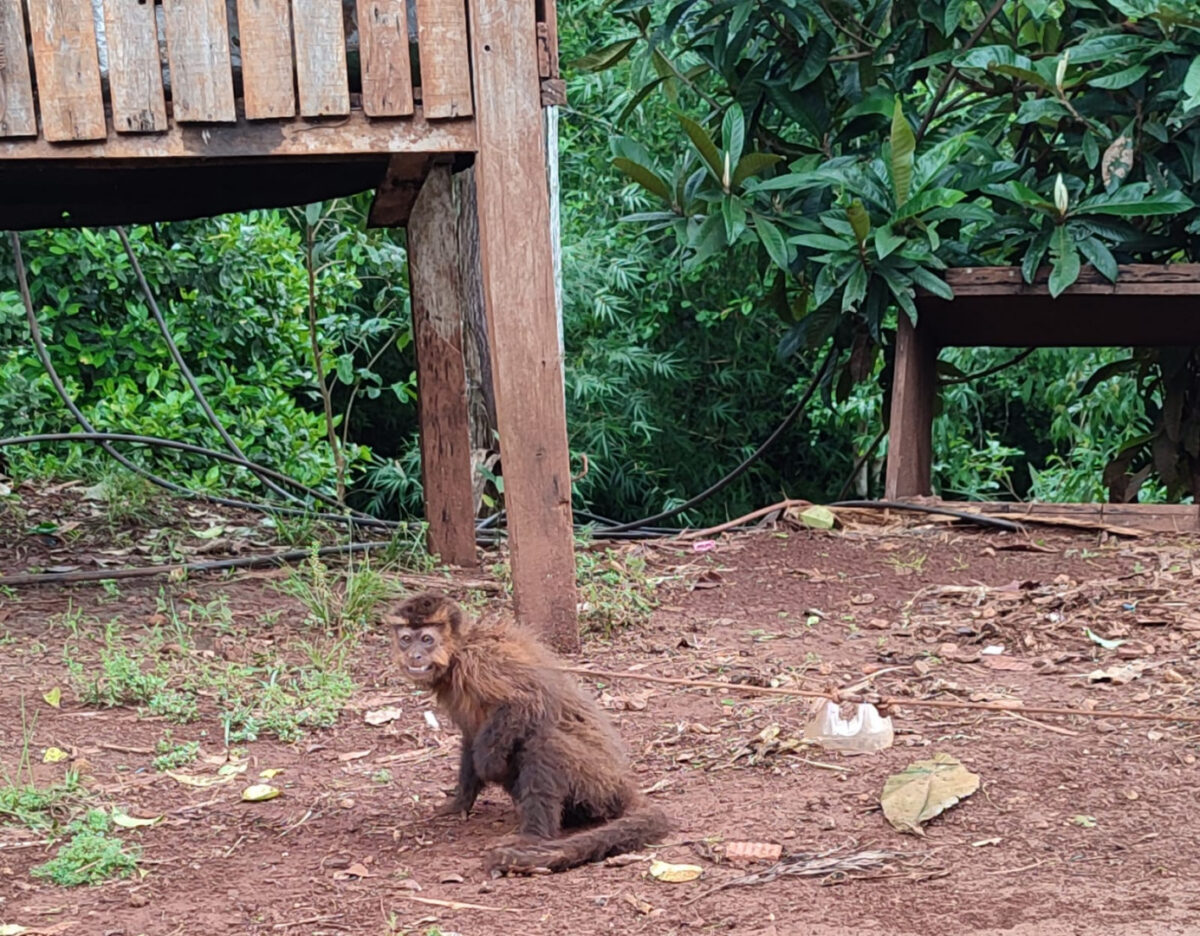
<point>441,373</point>
<point>910,428</point>
<point>518,281</point>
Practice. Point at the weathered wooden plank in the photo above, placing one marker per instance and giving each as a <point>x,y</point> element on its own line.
<point>299,137</point>
<point>518,278</point>
<point>265,39</point>
<point>1140,279</point>
<point>134,67</point>
<point>383,50</point>
<point>1172,518</point>
<point>68,70</point>
<point>437,315</point>
<point>910,426</point>
<point>321,58</point>
<point>445,58</point>
<point>17,115</point>
<point>397,193</point>
<point>198,56</point>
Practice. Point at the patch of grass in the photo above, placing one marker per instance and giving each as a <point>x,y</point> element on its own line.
<point>382,776</point>
<point>22,801</point>
<point>72,620</point>
<point>337,602</point>
<point>284,703</point>
<point>172,755</point>
<point>407,549</point>
<point>128,498</point>
<point>92,855</point>
<point>614,590</point>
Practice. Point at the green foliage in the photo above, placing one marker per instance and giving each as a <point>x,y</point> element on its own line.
<point>92,856</point>
<point>614,589</point>
<point>22,800</point>
<point>337,602</point>
<point>856,152</point>
<point>172,756</point>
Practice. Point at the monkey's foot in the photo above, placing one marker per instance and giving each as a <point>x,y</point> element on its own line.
<point>523,858</point>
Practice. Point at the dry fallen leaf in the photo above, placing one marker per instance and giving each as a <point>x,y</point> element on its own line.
<point>356,870</point>
<point>753,851</point>
<point>53,697</point>
<point>1118,675</point>
<point>132,822</point>
<point>818,517</point>
<point>924,790</point>
<point>270,772</point>
<point>674,873</point>
<point>382,716</point>
<point>259,792</point>
<point>1007,664</point>
<point>352,755</point>
<point>55,755</point>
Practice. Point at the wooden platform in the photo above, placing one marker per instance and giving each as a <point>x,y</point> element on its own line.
<point>1147,306</point>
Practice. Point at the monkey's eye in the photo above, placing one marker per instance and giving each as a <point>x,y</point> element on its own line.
<point>427,638</point>
<point>405,638</point>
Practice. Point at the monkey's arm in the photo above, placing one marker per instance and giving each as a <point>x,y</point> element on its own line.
<point>506,727</point>
<point>469,785</point>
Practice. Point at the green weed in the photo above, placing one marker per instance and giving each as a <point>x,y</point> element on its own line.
<point>172,756</point>
<point>93,854</point>
<point>22,801</point>
<point>614,590</point>
<point>337,602</point>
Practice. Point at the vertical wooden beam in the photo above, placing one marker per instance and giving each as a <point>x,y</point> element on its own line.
<point>385,64</point>
<point>321,74</point>
<point>63,35</point>
<point>518,281</point>
<point>441,371</point>
<point>265,37</point>
<point>444,56</point>
<point>198,54</point>
<point>910,427</point>
<point>17,116</point>
<point>134,67</point>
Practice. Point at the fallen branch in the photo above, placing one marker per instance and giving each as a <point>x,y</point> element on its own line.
<point>836,695</point>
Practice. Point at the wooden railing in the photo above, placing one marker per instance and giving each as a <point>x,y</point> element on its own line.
<point>88,69</point>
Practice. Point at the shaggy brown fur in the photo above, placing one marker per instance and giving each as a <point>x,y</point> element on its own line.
<point>528,727</point>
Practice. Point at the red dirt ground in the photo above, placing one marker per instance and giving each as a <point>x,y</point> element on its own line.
<point>1080,826</point>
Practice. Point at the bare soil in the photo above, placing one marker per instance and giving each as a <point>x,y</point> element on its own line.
<point>1080,826</point>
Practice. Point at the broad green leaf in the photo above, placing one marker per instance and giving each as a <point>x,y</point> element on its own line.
<point>1120,79</point>
<point>904,145</point>
<point>886,241</point>
<point>604,58</point>
<point>856,289</point>
<point>931,283</point>
<point>644,177</point>
<point>1135,200</point>
<point>901,287</point>
<point>1099,256</point>
<point>752,164</point>
<point>776,247</point>
<point>312,213</point>
<point>931,198</point>
<point>704,145</point>
<point>733,133</point>
<point>734,213</point>
<point>860,221</point>
<point>1064,260</point>
<point>820,242</point>
<point>1191,86</point>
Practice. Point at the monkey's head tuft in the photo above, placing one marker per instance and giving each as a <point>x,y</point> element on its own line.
<point>424,635</point>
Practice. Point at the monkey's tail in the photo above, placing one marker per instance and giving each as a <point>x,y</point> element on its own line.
<point>624,834</point>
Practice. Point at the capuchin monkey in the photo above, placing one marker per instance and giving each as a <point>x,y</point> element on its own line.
<point>528,727</point>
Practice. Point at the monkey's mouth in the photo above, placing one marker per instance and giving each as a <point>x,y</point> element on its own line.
<point>425,670</point>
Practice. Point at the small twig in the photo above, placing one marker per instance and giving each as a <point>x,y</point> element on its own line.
<point>122,749</point>
<point>753,515</point>
<point>1032,721</point>
<point>306,921</point>
<point>458,905</point>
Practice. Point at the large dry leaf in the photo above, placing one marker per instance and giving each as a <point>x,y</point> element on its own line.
<point>925,789</point>
<point>674,873</point>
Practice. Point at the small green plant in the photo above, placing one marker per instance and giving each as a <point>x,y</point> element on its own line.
<point>91,856</point>
<point>382,776</point>
<point>22,801</point>
<point>172,755</point>
<point>337,602</point>
<point>128,498</point>
<point>71,620</point>
<point>614,590</point>
<point>111,588</point>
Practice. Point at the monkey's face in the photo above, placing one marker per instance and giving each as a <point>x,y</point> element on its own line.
<point>422,652</point>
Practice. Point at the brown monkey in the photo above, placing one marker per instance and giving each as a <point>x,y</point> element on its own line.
<point>528,727</point>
